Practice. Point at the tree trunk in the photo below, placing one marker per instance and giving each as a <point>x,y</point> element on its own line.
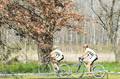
<point>45,48</point>
<point>117,56</point>
<point>116,52</point>
<point>115,49</point>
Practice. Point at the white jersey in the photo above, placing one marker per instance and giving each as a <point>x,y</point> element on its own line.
<point>90,53</point>
<point>59,54</point>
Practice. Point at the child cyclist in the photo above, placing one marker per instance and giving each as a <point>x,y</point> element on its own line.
<point>56,55</point>
<point>89,57</point>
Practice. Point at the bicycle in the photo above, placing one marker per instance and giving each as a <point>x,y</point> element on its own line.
<point>97,70</point>
<point>46,67</point>
<point>64,69</point>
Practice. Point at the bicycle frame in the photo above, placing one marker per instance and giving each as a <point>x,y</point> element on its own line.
<point>98,70</point>
<point>81,62</point>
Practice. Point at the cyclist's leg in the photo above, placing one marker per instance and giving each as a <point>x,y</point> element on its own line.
<point>89,66</point>
<point>87,63</point>
<point>93,59</point>
<point>58,62</point>
<point>96,58</point>
<point>55,65</point>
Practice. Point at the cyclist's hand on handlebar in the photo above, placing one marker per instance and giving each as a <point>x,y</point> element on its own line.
<point>81,58</point>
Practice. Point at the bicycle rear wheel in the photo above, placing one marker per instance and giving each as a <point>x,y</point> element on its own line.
<point>65,70</point>
<point>98,71</point>
<point>45,68</point>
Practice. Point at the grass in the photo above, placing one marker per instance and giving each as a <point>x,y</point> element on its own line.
<point>33,67</point>
<point>111,66</point>
<point>111,76</point>
<point>19,68</point>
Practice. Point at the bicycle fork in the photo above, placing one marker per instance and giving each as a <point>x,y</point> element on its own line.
<point>79,67</point>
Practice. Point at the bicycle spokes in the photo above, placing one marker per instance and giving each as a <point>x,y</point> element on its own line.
<point>64,70</point>
<point>98,71</point>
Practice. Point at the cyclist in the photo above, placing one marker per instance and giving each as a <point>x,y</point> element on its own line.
<point>56,56</point>
<point>89,57</point>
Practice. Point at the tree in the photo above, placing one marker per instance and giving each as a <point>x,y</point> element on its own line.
<point>109,18</point>
<point>39,19</point>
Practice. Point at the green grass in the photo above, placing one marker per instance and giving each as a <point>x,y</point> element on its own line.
<point>111,66</point>
<point>18,68</point>
<point>111,76</point>
<point>33,67</point>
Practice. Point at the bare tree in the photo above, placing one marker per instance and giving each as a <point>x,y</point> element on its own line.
<point>108,14</point>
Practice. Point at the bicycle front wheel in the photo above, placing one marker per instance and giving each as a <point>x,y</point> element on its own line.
<point>65,70</point>
<point>98,71</point>
<point>78,70</point>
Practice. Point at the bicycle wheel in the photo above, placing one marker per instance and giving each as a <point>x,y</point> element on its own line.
<point>64,70</point>
<point>45,68</point>
<point>78,70</point>
<point>98,71</point>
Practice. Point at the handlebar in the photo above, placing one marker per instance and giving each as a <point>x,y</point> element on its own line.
<point>80,59</point>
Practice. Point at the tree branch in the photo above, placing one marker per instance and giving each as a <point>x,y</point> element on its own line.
<point>103,24</point>
<point>103,6</point>
<point>118,20</point>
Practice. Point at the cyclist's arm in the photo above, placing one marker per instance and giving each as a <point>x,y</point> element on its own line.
<point>52,54</point>
<point>85,55</point>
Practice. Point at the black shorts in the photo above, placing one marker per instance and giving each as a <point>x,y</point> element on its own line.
<point>94,60</point>
<point>61,58</point>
